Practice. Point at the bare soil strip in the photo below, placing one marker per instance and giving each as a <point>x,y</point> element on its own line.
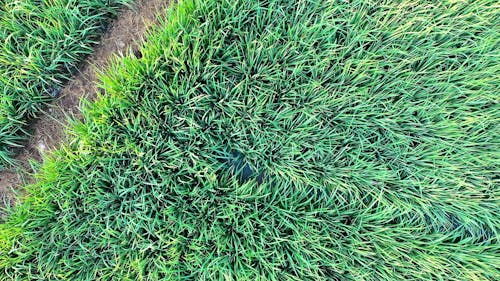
<point>124,35</point>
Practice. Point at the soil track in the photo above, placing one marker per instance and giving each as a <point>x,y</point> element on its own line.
<point>124,35</point>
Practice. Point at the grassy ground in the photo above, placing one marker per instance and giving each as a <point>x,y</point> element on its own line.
<point>41,43</point>
<point>281,140</point>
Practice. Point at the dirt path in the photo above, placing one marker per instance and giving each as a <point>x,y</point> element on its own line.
<point>125,34</point>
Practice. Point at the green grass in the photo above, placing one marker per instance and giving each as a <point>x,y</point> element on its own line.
<point>41,44</point>
<point>280,140</point>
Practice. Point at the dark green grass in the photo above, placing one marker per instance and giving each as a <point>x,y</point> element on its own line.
<point>41,44</point>
<point>281,140</point>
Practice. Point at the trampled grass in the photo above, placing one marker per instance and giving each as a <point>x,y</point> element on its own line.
<point>41,43</point>
<point>281,140</point>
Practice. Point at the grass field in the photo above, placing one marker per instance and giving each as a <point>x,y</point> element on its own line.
<point>41,44</point>
<point>280,140</point>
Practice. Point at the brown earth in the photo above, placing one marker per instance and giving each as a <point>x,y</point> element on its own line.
<point>124,35</point>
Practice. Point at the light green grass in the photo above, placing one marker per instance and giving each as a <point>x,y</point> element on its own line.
<point>41,44</point>
<point>281,140</point>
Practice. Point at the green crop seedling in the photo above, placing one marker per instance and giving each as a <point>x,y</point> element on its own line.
<point>280,140</point>
<point>41,43</point>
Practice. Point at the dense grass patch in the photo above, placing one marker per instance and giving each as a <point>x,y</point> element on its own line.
<point>281,140</point>
<point>41,43</point>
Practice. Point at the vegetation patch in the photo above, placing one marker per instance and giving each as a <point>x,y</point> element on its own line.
<point>280,140</point>
<point>41,43</point>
